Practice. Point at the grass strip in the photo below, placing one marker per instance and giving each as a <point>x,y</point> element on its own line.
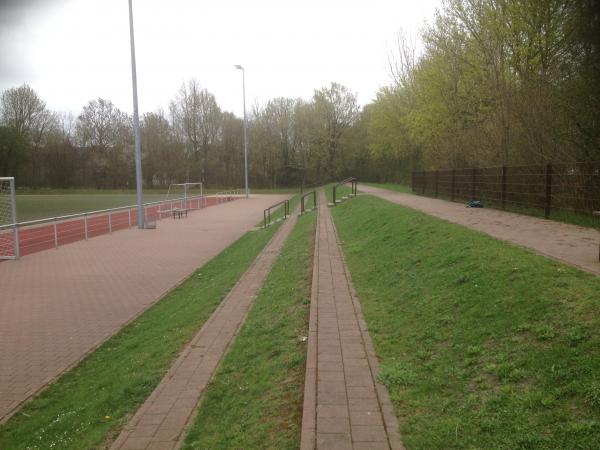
<point>88,406</point>
<point>255,399</point>
<point>482,344</point>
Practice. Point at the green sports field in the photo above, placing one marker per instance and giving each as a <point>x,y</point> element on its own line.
<point>41,204</point>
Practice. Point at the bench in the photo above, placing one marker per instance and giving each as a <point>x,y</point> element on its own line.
<point>179,212</point>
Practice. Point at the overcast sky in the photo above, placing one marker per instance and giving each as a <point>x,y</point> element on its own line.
<point>71,51</point>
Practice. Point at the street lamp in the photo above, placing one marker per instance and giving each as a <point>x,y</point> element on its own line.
<point>136,126</point>
<point>237,66</point>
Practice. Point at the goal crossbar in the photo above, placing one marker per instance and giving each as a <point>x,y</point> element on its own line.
<point>179,196</point>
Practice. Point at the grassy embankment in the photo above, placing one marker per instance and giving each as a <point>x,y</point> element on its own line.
<point>255,399</point>
<point>482,345</point>
<point>90,404</point>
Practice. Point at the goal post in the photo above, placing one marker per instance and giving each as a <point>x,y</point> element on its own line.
<point>9,232</point>
<point>186,196</point>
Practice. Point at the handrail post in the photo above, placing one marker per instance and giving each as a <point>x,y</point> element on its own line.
<point>302,205</point>
<point>315,199</point>
<point>265,218</point>
<point>333,195</point>
<point>503,187</point>
<point>85,226</point>
<point>130,217</point>
<point>548,190</point>
<point>55,236</point>
<point>109,222</point>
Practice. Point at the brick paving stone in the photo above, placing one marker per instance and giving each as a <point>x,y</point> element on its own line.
<point>58,305</point>
<point>344,406</point>
<point>176,398</point>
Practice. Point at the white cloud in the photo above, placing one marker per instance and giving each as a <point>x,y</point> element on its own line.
<point>79,49</point>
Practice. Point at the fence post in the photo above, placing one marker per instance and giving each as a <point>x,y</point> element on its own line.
<point>55,236</point>
<point>436,182</point>
<point>265,218</point>
<point>333,195</point>
<point>453,183</point>
<point>315,200</point>
<point>504,169</point>
<point>129,217</point>
<point>548,189</point>
<point>85,226</point>
<point>473,185</point>
<point>109,222</point>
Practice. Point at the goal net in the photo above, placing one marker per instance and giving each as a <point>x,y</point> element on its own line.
<point>182,196</point>
<point>9,234</point>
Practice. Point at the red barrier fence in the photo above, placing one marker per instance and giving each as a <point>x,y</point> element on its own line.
<point>36,238</point>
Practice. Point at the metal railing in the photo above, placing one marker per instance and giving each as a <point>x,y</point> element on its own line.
<point>226,196</point>
<point>302,201</point>
<point>267,212</point>
<point>61,230</point>
<point>352,180</point>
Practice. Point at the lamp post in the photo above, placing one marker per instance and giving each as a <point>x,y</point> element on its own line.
<point>237,66</point>
<point>136,126</point>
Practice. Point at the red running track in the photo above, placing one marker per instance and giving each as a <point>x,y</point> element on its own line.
<point>44,237</point>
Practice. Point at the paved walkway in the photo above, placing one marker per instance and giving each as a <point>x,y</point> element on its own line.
<point>570,244</point>
<point>344,406</point>
<point>58,305</point>
<point>161,420</point>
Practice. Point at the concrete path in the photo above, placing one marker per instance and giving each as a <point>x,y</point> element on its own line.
<point>344,406</point>
<point>570,244</point>
<point>58,305</point>
<point>161,421</point>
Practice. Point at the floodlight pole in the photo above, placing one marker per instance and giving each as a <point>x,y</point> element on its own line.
<point>136,126</point>
<point>245,126</point>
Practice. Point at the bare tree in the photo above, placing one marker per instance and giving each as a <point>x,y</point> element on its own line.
<point>336,110</point>
<point>197,117</point>
<point>22,109</point>
<point>101,124</point>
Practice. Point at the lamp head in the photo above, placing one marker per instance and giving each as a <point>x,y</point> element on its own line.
<point>237,66</point>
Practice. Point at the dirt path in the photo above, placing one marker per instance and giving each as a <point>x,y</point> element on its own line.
<point>344,406</point>
<point>58,305</point>
<point>571,244</point>
<point>161,420</point>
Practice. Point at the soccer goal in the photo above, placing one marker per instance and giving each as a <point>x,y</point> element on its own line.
<point>182,197</point>
<point>9,233</point>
